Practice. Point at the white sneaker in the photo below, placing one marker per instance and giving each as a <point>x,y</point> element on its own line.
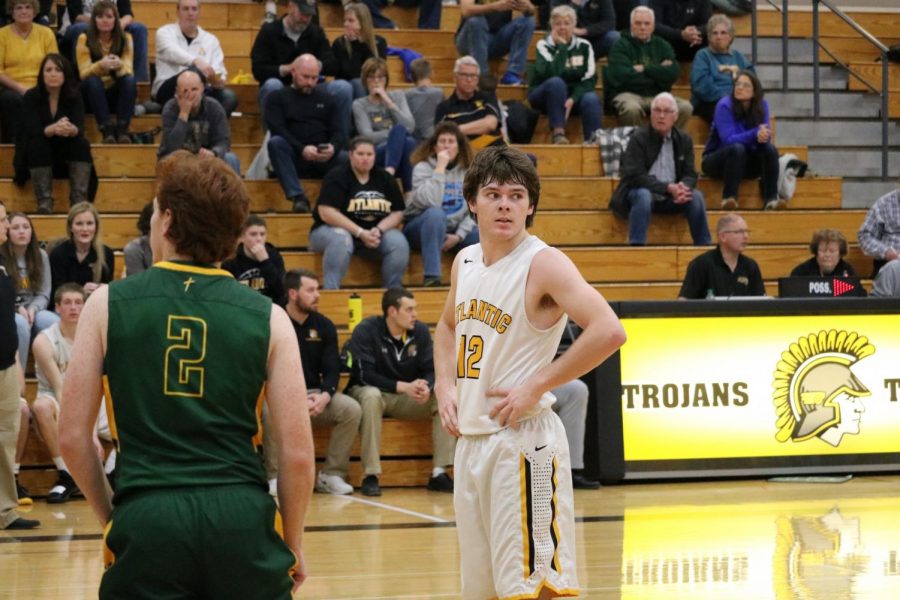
<point>332,484</point>
<point>273,487</point>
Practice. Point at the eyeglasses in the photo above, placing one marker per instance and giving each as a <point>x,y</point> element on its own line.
<point>738,231</point>
<point>467,75</point>
<point>743,84</point>
<point>663,111</point>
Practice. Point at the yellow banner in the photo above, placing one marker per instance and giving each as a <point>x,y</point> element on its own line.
<point>733,387</point>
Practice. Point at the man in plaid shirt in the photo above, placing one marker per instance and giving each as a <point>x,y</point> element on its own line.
<point>879,235</point>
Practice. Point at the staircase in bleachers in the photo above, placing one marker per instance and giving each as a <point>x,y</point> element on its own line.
<point>572,213</point>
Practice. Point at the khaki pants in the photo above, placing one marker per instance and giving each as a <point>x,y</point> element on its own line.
<point>633,109</point>
<point>377,404</point>
<point>343,414</point>
<point>9,433</point>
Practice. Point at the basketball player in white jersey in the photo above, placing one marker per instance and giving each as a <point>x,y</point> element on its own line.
<point>494,347</point>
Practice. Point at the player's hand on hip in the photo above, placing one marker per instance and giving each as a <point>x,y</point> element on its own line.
<point>512,405</point>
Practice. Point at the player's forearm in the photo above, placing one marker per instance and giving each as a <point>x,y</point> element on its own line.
<point>81,457</point>
<point>295,483</point>
<point>444,357</point>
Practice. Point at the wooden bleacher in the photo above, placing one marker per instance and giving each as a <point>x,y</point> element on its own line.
<point>572,211</point>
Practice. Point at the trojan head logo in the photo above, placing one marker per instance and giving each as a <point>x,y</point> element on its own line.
<point>816,393</point>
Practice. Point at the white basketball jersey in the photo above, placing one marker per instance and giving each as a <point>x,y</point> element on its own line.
<point>497,347</point>
<point>62,350</point>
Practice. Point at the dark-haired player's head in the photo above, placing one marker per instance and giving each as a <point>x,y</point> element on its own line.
<point>502,165</point>
<point>201,206</point>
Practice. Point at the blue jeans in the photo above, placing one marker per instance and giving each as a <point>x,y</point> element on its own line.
<point>426,232</point>
<point>339,89</point>
<point>550,97</point>
<point>42,320</point>
<point>99,100</point>
<point>289,166</point>
<point>642,205</point>
<point>734,163</point>
<point>395,153</point>
<point>233,161</point>
<point>603,44</point>
<point>475,38</point>
<point>138,33</point>
<point>429,13</point>
<point>337,246</point>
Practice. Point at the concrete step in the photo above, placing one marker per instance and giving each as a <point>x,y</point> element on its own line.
<point>835,132</point>
<point>862,193</point>
<point>800,77</point>
<point>832,104</point>
<point>800,51</point>
<point>851,162</point>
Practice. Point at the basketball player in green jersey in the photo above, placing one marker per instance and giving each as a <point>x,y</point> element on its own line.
<point>186,355</point>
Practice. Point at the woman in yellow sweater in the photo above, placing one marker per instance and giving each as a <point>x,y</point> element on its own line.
<point>23,45</point>
<point>104,54</point>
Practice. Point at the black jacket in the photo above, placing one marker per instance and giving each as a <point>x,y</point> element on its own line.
<point>380,360</point>
<point>304,119</point>
<point>272,48</point>
<point>350,65</point>
<point>265,277</point>
<point>8,345</point>
<point>641,153</point>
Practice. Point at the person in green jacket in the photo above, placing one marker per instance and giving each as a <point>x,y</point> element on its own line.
<point>641,65</point>
<point>562,78</point>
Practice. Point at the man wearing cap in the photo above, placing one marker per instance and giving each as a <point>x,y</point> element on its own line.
<point>183,46</point>
<point>280,42</point>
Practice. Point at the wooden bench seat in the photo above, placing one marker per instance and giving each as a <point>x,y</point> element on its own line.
<point>557,193</point>
<point>559,228</point>
<point>134,160</point>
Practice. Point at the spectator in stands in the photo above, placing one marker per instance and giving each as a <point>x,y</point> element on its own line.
<point>682,23</point>
<point>641,65</point>
<point>257,263</point>
<point>429,12</point>
<point>596,23</point>
<point>423,98</point>
<point>476,112</point>
<point>384,117</point>
<point>724,271</point>
<point>185,45</point>
<point>197,123</point>
<point>52,350</point>
<point>51,135</point>
<point>571,405</point>
<point>879,235</point>
<point>359,209</point>
<point>356,46</point>
<point>488,31</point>
<point>307,133</point>
<point>104,54</point>
<point>562,78</point>
<point>138,255</point>
<point>23,46</point>
<point>321,370</point>
<point>715,68</point>
<point>79,13</point>
<point>12,384</point>
<point>82,258</point>
<point>741,144</point>
<point>437,217</point>
<point>28,266</point>
<point>829,247</point>
<point>658,176</point>
<point>45,7</point>
<point>392,374</point>
<point>887,282</point>
<point>280,43</point>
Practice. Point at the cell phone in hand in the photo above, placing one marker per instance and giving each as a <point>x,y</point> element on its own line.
<point>322,147</point>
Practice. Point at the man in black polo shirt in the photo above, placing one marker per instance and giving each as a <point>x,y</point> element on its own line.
<point>321,369</point>
<point>10,384</point>
<point>724,271</point>
<point>477,113</point>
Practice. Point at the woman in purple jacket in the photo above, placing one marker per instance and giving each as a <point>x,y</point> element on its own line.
<point>741,144</point>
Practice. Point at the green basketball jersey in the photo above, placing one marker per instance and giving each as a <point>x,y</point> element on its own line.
<point>185,369</point>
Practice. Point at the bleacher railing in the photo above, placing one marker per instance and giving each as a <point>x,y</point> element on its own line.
<point>783,9</point>
<point>885,84</point>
